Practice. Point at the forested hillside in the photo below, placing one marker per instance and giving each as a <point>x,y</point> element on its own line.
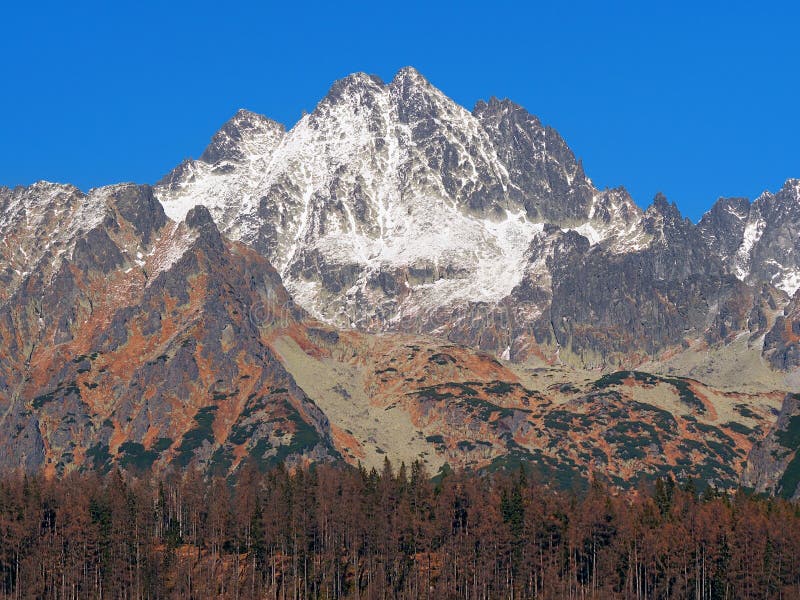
<point>335,532</point>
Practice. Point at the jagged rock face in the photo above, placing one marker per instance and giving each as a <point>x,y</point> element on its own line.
<point>723,226</point>
<point>547,179</point>
<point>782,343</point>
<point>38,225</point>
<point>136,343</point>
<point>605,306</point>
<point>390,201</point>
<point>773,465</point>
<point>759,241</point>
<point>240,151</point>
<point>391,208</point>
<point>615,302</point>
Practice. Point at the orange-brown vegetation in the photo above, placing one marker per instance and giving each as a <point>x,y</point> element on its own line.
<point>333,532</point>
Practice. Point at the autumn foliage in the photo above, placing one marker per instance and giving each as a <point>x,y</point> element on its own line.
<point>336,532</point>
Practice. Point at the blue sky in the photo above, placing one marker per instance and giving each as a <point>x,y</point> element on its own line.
<point>694,102</point>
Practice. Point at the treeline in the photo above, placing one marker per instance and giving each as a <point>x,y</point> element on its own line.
<point>332,532</point>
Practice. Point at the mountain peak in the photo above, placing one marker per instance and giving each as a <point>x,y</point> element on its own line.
<point>353,84</point>
<point>664,207</point>
<point>199,217</point>
<point>791,186</point>
<point>138,206</point>
<point>243,114</point>
<point>737,206</point>
<point>409,74</point>
<point>43,186</point>
<point>201,222</point>
<point>359,83</point>
<point>243,129</point>
<point>786,200</point>
<point>408,79</point>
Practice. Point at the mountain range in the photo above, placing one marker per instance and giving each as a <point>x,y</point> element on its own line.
<point>396,276</point>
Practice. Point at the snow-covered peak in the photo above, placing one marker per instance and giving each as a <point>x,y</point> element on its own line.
<point>409,74</point>
<point>366,145</point>
<point>355,90</point>
<point>410,85</point>
<point>391,197</point>
<point>244,136</point>
<point>238,155</point>
<point>759,241</point>
<point>38,225</point>
<point>46,224</point>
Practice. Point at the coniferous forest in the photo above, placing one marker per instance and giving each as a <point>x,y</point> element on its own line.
<point>332,532</point>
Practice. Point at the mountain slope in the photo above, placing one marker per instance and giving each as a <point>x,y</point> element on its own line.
<point>412,398</point>
<point>773,466</point>
<point>137,346</point>
<point>152,344</point>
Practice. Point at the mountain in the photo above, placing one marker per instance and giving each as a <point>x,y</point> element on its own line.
<point>390,202</point>
<point>392,208</point>
<point>396,276</point>
<point>131,338</point>
<point>145,343</point>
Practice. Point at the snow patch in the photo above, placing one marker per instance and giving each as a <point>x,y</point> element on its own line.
<point>752,234</point>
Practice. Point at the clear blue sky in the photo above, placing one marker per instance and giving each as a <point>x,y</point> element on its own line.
<point>694,102</point>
